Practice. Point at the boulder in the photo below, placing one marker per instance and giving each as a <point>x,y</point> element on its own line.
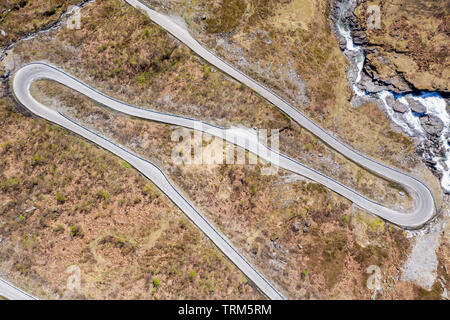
<point>342,43</point>
<point>432,125</point>
<point>30,209</point>
<point>396,105</point>
<point>308,223</point>
<point>416,106</point>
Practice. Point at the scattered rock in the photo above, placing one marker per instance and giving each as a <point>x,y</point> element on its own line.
<point>401,193</point>
<point>3,33</point>
<point>416,106</point>
<point>296,226</point>
<point>30,209</point>
<point>396,105</point>
<point>308,223</point>
<point>203,17</point>
<point>299,245</point>
<point>432,125</point>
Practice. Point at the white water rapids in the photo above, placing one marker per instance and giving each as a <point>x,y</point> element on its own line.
<point>409,121</point>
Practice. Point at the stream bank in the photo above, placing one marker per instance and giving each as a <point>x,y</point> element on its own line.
<point>420,114</point>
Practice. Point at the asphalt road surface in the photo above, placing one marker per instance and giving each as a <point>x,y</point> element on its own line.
<point>11,292</point>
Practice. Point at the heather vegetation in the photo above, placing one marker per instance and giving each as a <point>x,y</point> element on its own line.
<point>20,18</point>
<point>69,202</point>
<point>79,205</point>
<point>298,233</point>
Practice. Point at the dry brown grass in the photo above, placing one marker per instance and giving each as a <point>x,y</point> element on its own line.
<point>256,212</point>
<point>123,63</point>
<point>21,18</point>
<point>412,41</point>
<point>315,56</point>
<point>92,210</point>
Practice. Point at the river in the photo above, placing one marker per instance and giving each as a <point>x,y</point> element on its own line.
<point>433,104</point>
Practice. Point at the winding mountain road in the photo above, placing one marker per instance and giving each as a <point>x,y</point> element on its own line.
<point>425,207</point>
<point>22,81</point>
<point>25,76</point>
<point>423,211</point>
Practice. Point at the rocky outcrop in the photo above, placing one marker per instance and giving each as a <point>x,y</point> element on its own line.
<point>359,37</point>
<point>390,69</point>
<point>409,50</point>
